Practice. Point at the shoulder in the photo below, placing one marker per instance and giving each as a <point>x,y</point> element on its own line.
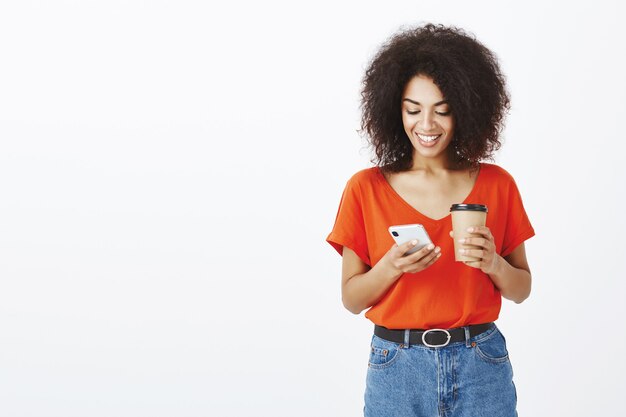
<point>366,174</point>
<point>499,180</point>
<point>496,173</point>
<point>363,184</point>
<point>364,177</point>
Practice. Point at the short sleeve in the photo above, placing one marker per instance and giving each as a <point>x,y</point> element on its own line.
<point>518,226</point>
<point>349,228</point>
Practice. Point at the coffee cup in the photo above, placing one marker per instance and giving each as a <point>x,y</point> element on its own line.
<point>465,216</point>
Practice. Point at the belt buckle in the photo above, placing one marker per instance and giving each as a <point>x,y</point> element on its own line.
<point>435,330</point>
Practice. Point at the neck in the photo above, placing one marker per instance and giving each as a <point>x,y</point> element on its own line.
<point>438,164</point>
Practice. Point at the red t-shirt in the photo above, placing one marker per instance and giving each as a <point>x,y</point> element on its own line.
<point>448,293</point>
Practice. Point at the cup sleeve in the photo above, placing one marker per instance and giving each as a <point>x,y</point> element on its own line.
<point>349,228</point>
<point>518,226</point>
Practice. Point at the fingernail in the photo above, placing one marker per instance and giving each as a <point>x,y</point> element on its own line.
<point>437,249</point>
<point>413,242</point>
<point>461,240</point>
<point>431,246</point>
<point>471,229</point>
<point>461,250</point>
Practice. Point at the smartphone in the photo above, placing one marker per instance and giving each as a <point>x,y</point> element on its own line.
<point>404,232</point>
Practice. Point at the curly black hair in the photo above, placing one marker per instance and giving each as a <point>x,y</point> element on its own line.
<point>466,72</point>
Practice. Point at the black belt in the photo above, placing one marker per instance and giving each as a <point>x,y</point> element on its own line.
<point>432,337</point>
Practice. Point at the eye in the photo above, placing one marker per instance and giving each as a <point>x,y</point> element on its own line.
<point>440,113</point>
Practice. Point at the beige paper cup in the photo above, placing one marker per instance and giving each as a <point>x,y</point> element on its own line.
<point>465,216</point>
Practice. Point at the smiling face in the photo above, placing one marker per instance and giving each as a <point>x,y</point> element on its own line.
<point>427,119</point>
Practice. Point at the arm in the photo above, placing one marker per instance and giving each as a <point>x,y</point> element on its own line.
<point>362,286</point>
<point>511,274</point>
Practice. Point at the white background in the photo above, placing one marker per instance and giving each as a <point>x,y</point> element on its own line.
<point>169,171</point>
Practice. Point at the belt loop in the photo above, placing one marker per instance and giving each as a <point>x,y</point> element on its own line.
<point>467,336</point>
<point>407,334</point>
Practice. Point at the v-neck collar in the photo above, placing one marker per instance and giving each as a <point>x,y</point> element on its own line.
<point>423,216</point>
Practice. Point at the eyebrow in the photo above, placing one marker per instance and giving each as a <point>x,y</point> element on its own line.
<point>418,103</point>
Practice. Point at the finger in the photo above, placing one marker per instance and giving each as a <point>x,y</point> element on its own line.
<point>430,256</point>
<point>435,256</point>
<point>426,262</point>
<point>452,234</point>
<point>475,241</point>
<point>406,246</point>
<point>481,230</point>
<point>474,253</point>
<point>417,256</point>
<point>416,260</point>
<point>473,264</point>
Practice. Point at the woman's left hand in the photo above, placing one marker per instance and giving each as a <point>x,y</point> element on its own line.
<point>489,259</point>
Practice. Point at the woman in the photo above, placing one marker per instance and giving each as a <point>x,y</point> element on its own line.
<point>433,101</point>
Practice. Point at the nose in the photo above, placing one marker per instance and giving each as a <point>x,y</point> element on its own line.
<point>427,122</point>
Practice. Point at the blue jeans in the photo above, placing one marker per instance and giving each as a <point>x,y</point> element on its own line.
<point>473,378</point>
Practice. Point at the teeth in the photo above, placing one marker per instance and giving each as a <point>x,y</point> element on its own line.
<point>428,138</point>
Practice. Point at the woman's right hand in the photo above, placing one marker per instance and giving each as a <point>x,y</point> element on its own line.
<point>398,263</point>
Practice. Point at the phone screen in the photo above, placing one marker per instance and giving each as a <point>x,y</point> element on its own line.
<point>406,232</point>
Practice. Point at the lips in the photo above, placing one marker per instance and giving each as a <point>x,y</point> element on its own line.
<point>428,140</point>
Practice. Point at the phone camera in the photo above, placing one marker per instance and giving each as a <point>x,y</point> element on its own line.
<point>395,233</point>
